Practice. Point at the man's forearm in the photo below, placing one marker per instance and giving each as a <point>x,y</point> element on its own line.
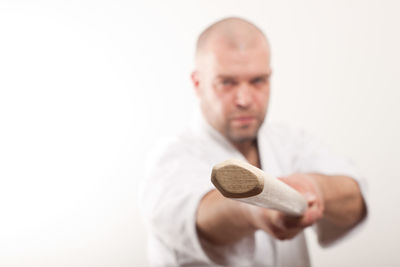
<point>343,201</point>
<point>221,220</point>
<point>224,221</point>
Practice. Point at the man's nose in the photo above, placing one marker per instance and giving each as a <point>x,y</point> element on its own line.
<point>243,96</point>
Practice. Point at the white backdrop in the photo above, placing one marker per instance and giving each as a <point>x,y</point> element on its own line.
<point>87,86</point>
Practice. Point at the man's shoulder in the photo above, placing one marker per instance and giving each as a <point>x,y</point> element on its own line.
<point>282,131</point>
<point>287,138</point>
<point>175,145</point>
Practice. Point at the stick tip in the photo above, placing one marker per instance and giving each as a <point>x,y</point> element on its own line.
<point>237,179</point>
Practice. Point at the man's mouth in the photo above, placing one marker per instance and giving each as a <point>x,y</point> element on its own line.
<point>242,120</point>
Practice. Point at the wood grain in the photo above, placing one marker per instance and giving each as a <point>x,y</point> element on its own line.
<point>241,181</point>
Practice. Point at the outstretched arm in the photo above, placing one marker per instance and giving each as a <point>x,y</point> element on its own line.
<point>335,199</point>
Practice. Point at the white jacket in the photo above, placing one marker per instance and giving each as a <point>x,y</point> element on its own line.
<point>178,176</point>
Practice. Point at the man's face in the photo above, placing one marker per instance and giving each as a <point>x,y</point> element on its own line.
<point>233,88</point>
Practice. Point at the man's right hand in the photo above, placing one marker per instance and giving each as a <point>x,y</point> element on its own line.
<point>283,226</point>
<point>278,224</point>
<point>223,221</point>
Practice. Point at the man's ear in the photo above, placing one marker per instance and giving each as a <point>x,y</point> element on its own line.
<point>195,81</point>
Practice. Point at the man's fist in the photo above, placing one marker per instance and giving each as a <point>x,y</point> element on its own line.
<point>283,226</point>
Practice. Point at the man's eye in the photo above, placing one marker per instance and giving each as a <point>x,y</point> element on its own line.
<point>227,82</point>
<point>258,81</point>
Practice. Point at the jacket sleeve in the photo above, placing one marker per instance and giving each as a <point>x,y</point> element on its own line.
<point>312,156</point>
<point>176,181</point>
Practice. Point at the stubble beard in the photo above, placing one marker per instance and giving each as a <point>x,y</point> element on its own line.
<point>243,134</point>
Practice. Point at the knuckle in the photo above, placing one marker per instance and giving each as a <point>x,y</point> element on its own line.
<point>280,237</point>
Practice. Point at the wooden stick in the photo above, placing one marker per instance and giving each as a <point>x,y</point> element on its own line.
<point>241,181</point>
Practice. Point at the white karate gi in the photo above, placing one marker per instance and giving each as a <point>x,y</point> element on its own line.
<point>179,176</point>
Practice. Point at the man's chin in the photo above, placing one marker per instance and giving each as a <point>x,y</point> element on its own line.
<point>242,136</point>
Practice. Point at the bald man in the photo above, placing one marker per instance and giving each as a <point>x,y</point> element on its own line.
<point>192,224</point>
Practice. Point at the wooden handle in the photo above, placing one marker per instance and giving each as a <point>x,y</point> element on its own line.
<point>244,182</point>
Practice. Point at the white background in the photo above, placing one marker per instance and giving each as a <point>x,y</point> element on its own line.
<point>87,86</point>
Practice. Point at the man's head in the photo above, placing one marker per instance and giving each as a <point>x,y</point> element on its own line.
<point>232,78</point>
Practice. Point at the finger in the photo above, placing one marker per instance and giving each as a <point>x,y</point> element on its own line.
<point>291,221</point>
<point>288,233</point>
<point>282,226</point>
<point>311,216</point>
<point>310,197</point>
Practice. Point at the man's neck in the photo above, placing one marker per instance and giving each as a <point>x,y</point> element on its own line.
<point>249,149</point>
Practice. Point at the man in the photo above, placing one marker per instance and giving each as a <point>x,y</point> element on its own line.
<point>191,223</point>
